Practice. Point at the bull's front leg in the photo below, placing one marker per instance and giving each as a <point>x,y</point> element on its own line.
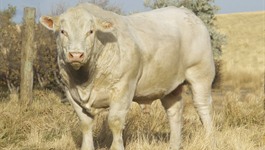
<point>119,107</point>
<point>86,124</point>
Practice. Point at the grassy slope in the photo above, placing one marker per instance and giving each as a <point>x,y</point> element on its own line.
<point>243,56</point>
<point>239,116</point>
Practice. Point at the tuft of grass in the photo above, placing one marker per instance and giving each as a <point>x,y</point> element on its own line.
<point>244,110</point>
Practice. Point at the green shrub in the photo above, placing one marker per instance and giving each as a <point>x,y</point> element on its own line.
<point>10,48</point>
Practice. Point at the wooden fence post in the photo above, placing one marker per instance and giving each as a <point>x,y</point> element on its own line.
<point>27,56</point>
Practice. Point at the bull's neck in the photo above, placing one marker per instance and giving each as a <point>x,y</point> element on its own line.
<point>79,77</point>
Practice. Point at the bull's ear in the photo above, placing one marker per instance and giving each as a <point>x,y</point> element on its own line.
<point>51,23</point>
<point>104,25</point>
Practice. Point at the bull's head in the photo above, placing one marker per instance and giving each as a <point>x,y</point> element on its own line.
<point>76,33</point>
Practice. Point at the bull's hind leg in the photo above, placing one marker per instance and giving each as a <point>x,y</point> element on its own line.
<point>200,77</point>
<point>173,105</point>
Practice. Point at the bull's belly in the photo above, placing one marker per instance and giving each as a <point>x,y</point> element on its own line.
<point>156,89</point>
<point>149,96</point>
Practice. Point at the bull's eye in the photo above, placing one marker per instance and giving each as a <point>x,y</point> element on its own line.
<point>89,32</point>
<point>64,32</point>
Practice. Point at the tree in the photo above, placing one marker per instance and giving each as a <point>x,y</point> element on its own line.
<point>6,16</point>
<point>61,7</point>
<point>204,9</point>
<point>58,9</point>
<point>10,47</point>
<point>105,5</point>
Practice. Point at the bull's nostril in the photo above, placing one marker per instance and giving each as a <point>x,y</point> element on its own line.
<point>70,55</point>
<point>76,56</point>
<point>82,55</point>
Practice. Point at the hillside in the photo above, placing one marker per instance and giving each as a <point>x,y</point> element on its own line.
<point>243,56</point>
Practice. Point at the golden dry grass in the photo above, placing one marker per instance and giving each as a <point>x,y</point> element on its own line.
<point>243,56</point>
<point>238,107</point>
<point>49,124</point>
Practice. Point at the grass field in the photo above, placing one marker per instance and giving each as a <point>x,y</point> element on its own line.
<point>238,106</point>
<point>243,56</point>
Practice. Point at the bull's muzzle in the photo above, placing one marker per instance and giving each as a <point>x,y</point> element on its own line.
<point>75,59</point>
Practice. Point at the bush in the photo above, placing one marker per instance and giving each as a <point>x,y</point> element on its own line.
<point>105,5</point>
<point>10,46</point>
<point>45,64</point>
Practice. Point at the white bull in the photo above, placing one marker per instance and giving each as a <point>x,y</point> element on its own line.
<point>108,61</point>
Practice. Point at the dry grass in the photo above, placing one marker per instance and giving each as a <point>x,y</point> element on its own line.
<point>243,57</point>
<point>46,124</point>
<point>238,107</point>
<point>49,124</point>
